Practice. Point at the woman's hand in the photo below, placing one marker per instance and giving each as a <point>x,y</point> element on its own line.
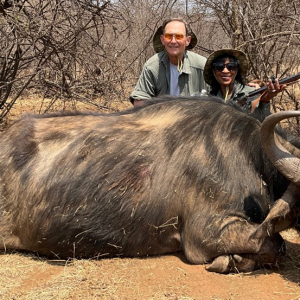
<point>272,90</point>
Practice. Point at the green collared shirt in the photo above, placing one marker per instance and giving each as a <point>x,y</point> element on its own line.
<point>155,77</point>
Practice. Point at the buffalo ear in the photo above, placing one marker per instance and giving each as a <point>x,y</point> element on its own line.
<point>280,217</point>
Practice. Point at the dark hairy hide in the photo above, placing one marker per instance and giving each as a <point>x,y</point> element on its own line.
<point>177,174</point>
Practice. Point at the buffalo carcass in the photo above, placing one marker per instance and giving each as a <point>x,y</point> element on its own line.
<point>187,174</point>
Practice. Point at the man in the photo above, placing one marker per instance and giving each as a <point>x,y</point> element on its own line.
<point>173,70</point>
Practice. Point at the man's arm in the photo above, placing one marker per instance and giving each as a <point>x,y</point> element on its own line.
<point>144,89</point>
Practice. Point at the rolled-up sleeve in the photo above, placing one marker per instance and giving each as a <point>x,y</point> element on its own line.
<point>153,80</point>
<point>145,87</point>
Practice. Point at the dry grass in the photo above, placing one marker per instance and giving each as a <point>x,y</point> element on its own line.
<point>34,104</point>
<point>84,279</point>
<point>24,276</point>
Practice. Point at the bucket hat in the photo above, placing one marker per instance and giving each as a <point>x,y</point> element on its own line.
<point>239,55</point>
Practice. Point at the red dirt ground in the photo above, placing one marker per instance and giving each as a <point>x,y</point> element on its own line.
<point>170,277</point>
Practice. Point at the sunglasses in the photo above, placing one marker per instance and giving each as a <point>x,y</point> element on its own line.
<point>219,66</point>
<point>177,36</point>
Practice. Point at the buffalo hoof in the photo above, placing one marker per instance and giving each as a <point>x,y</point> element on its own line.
<point>232,264</point>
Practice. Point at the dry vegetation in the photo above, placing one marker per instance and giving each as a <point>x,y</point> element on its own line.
<point>170,277</point>
<point>85,50</point>
<point>85,54</point>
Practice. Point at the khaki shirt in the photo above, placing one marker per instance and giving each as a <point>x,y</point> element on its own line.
<point>155,77</point>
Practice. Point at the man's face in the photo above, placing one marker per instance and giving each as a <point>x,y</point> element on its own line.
<point>175,47</point>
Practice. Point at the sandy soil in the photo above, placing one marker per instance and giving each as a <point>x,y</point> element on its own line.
<point>171,277</point>
<point>26,276</point>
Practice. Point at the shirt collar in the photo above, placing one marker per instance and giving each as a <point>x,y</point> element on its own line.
<point>186,65</point>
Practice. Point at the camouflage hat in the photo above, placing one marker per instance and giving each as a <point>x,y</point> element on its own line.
<point>239,55</point>
<point>158,46</point>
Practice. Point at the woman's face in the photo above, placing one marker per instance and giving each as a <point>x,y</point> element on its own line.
<point>225,72</point>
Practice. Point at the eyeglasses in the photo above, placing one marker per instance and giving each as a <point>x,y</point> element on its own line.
<point>219,66</point>
<point>177,36</point>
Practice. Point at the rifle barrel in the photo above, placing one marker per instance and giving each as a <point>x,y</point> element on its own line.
<point>285,80</point>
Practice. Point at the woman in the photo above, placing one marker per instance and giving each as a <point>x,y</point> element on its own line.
<point>225,71</point>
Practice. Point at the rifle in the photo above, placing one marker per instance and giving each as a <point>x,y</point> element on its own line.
<point>252,95</point>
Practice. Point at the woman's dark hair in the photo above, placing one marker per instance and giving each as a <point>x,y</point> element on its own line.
<point>215,86</point>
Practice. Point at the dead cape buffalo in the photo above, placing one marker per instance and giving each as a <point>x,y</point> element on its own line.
<point>187,174</point>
